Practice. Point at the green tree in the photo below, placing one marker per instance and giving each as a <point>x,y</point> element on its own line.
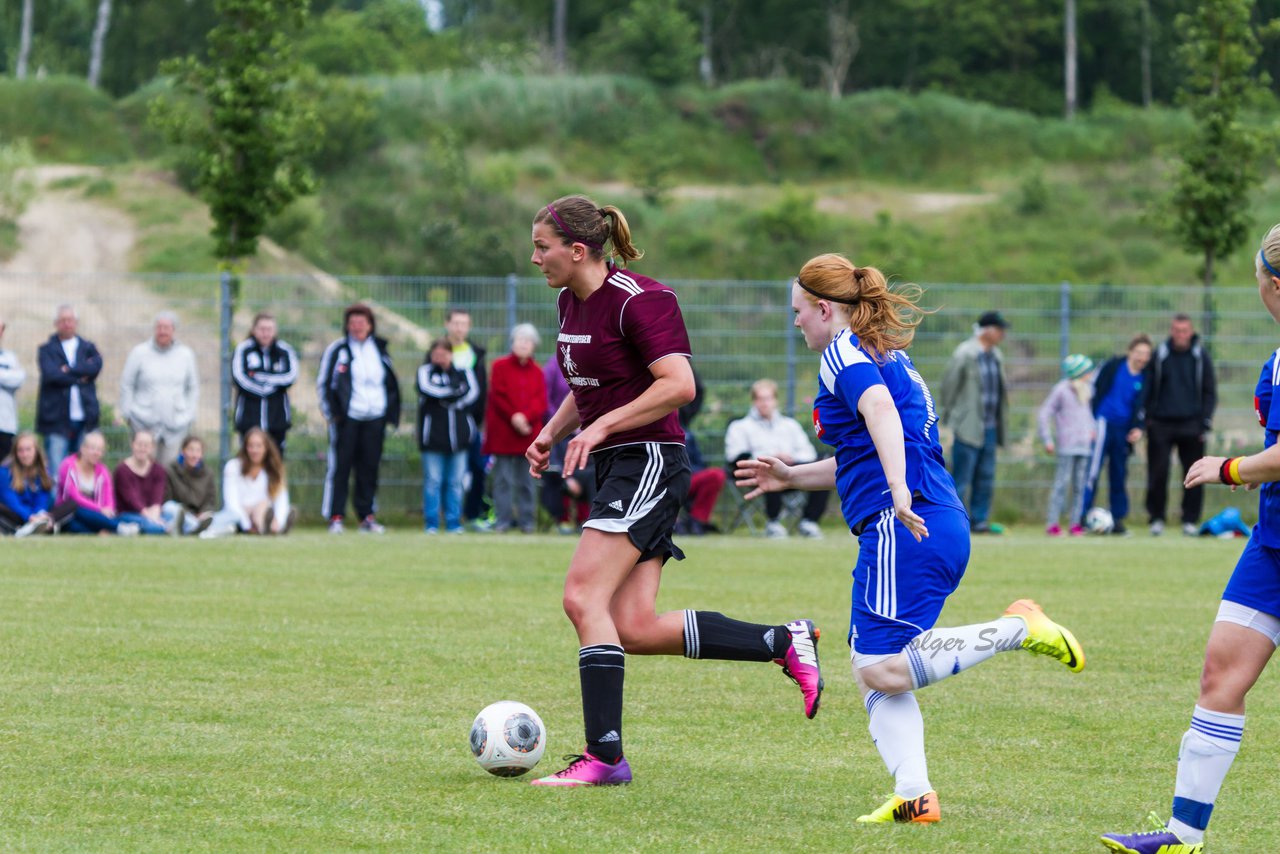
<point>660,41</point>
<point>1219,162</point>
<point>243,117</point>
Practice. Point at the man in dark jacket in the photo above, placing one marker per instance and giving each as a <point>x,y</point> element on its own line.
<point>360,398</point>
<point>67,404</point>
<point>1180,406</point>
<point>263,368</point>
<point>469,355</point>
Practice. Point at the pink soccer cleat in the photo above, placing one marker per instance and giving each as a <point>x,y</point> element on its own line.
<point>587,770</point>
<point>800,663</point>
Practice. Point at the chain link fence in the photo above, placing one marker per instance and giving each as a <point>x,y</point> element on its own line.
<point>741,331</point>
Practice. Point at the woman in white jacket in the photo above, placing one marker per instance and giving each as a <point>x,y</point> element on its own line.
<point>255,496</point>
<point>12,376</point>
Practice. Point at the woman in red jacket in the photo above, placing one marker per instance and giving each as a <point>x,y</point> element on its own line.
<point>513,417</point>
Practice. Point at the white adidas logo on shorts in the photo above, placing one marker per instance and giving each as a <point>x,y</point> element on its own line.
<point>616,505</point>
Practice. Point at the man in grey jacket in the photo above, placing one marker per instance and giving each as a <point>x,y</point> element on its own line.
<point>160,388</point>
<point>975,405</point>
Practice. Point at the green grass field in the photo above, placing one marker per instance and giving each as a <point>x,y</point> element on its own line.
<point>315,693</point>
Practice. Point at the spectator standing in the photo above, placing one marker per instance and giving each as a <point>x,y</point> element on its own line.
<point>1184,395</point>
<point>255,494</point>
<point>12,376</point>
<point>1067,430</point>
<point>1119,400</point>
<point>360,398</point>
<point>263,368</point>
<point>160,388</point>
<point>84,479</point>
<point>139,485</point>
<point>469,355</point>
<point>975,405</point>
<point>445,427</point>
<point>190,487</point>
<point>514,415</point>
<point>26,491</point>
<point>705,482</point>
<point>67,405</point>
<point>560,494</point>
<point>765,432</point>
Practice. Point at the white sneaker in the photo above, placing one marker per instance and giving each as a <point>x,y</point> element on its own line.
<point>35,526</point>
<point>371,525</point>
<point>775,531</point>
<point>336,527</point>
<point>1190,529</point>
<point>810,529</point>
<point>128,529</point>
<point>1157,527</point>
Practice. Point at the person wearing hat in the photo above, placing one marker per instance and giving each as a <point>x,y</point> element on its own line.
<point>975,405</point>
<point>1067,430</point>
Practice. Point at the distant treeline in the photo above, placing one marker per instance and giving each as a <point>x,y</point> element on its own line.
<point>1006,52</point>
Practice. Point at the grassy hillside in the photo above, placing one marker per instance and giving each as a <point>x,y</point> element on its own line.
<point>435,174</point>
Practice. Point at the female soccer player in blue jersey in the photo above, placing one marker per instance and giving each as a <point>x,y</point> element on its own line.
<point>624,351</point>
<point>899,501</point>
<point>1247,628</point>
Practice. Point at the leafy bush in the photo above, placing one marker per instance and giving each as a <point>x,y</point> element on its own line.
<point>64,119</point>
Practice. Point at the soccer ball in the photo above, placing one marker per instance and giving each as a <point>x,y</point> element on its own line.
<point>1098,520</point>
<point>507,738</point>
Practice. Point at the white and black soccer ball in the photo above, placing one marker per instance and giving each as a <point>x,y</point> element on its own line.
<point>508,738</point>
<point>1098,521</point>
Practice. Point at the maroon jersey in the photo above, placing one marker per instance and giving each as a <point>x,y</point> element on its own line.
<point>607,344</point>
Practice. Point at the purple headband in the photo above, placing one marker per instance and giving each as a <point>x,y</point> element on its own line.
<point>568,232</point>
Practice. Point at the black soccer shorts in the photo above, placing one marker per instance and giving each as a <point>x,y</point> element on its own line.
<point>640,489</point>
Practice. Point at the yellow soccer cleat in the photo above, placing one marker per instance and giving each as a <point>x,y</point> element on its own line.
<point>921,810</point>
<point>1046,637</point>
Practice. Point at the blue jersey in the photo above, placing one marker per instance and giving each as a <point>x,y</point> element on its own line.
<point>846,372</point>
<point>1267,404</point>
<point>1117,406</point>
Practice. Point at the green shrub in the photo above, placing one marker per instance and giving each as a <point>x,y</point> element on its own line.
<point>65,120</point>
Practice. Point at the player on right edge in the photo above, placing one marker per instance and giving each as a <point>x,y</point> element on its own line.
<point>1247,629</point>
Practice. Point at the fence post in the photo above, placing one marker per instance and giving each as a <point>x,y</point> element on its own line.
<point>1064,321</point>
<point>511,303</point>
<point>224,360</point>
<point>791,365</point>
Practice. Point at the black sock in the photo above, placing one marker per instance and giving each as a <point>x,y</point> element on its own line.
<point>710,634</point>
<point>600,668</point>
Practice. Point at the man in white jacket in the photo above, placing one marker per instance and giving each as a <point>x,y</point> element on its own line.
<point>160,388</point>
<point>765,432</point>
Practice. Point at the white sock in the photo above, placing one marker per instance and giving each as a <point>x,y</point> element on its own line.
<point>939,653</point>
<point>897,728</point>
<point>1208,749</point>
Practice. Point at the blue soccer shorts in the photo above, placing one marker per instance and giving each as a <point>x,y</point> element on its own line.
<point>899,585</point>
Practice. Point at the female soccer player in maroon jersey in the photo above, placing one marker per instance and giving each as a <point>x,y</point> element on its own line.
<point>625,353</point>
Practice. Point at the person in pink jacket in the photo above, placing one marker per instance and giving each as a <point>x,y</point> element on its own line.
<point>84,479</point>
<point>512,418</point>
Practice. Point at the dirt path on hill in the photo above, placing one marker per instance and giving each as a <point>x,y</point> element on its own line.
<point>74,250</point>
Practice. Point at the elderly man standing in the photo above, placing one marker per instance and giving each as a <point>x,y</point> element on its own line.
<point>1183,397</point>
<point>12,376</point>
<point>160,388</point>
<point>975,405</point>
<point>67,406</point>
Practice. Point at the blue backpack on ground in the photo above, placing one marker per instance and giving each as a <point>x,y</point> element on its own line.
<point>1225,524</point>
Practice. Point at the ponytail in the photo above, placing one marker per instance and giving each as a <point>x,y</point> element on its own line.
<point>577,219</point>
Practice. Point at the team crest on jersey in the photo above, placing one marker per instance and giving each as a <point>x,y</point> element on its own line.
<point>570,366</point>
<point>817,423</point>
